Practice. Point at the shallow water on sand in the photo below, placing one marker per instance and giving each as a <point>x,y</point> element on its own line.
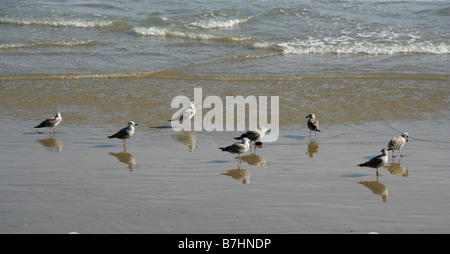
<point>172,182</point>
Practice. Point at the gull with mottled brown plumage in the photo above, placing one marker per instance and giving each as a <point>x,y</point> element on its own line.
<point>51,122</point>
<point>397,143</point>
<point>313,124</point>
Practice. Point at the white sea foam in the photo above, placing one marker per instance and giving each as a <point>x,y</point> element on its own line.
<point>343,46</point>
<point>57,22</point>
<point>12,46</point>
<point>218,23</point>
<point>169,32</point>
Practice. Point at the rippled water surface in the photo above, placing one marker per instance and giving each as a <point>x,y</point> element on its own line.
<point>286,38</point>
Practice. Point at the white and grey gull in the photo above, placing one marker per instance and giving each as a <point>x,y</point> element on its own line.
<point>253,135</point>
<point>125,133</point>
<point>51,122</point>
<point>397,143</point>
<point>237,148</point>
<point>186,113</point>
<point>377,161</point>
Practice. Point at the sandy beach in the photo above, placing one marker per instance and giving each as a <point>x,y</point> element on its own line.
<point>77,180</point>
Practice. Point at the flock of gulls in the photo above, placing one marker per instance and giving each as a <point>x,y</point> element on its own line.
<point>246,138</point>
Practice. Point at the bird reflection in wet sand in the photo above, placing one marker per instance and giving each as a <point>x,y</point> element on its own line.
<point>313,148</point>
<point>187,139</point>
<point>53,143</point>
<point>126,158</point>
<point>254,160</point>
<point>397,169</point>
<point>238,174</point>
<point>377,188</point>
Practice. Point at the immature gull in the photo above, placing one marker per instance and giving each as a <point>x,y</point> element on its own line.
<point>125,133</point>
<point>237,148</point>
<point>51,122</point>
<point>186,113</point>
<point>377,161</point>
<point>397,143</point>
<point>313,124</point>
<point>253,135</point>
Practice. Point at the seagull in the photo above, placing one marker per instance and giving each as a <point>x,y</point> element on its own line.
<point>186,113</point>
<point>313,124</point>
<point>237,148</point>
<point>125,133</point>
<point>397,143</point>
<point>51,122</point>
<point>377,161</point>
<point>253,135</point>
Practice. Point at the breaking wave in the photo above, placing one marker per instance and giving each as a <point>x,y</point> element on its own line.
<point>57,22</point>
<point>13,46</point>
<point>173,33</point>
<point>218,23</point>
<point>313,46</point>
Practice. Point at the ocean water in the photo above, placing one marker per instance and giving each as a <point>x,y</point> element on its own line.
<point>246,38</point>
<point>369,70</point>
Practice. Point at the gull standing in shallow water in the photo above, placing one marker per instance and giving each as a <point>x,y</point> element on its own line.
<point>397,143</point>
<point>313,124</point>
<point>51,122</point>
<point>377,161</point>
<point>237,148</point>
<point>187,113</point>
<point>125,133</point>
<point>253,135</point>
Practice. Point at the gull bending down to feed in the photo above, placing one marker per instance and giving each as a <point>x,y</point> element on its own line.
<point>397,143</point>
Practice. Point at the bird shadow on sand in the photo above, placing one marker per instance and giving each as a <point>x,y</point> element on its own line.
<point>40,133</point>
<point>162,127</point>
<point>296,137</point>
<point>353,175</point>
<point>102,146</point>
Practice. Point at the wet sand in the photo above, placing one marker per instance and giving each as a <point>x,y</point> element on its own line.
<point>77,180</point>
<point>172,182</point>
